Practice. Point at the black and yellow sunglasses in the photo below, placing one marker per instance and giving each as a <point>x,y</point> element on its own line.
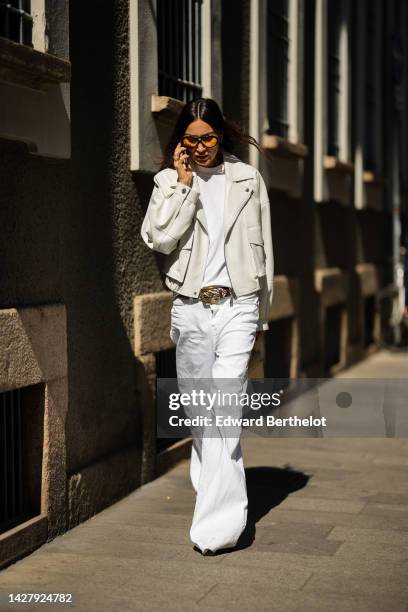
<point>208,140</point>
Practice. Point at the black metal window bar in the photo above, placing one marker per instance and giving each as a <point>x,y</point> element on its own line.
<point>278,351</point>
<point>334,20</point>
<point>16,21</point>
<point>332,335</point>
<point>370,97</point>
<point>166,368</point>
<point>277,67</point>
<point>179,48</point>
<point>11,460</point>
<point>398,59</point>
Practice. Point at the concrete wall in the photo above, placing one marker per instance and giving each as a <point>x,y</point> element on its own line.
<point>70,234</point>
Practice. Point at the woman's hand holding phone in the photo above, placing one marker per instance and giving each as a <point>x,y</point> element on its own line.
<point>182,163</point>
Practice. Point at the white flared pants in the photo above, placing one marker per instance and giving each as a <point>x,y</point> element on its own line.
<point>215,341</point>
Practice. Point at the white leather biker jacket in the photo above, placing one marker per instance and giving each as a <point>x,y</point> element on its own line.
<point>175,224</point>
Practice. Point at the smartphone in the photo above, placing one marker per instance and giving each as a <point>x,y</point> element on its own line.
<point>189,160</point>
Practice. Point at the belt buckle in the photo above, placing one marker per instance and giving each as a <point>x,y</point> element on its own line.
<point>208,300</point>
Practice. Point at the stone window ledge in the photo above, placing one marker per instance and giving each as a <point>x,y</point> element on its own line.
<point>333,164</point>
<point>370,278</point>
<point>278,146</point>
<point>332,285</point>
<point>165,108</point>
<point>373,188</point>
<point>370,178</point>
<point>23,65</point>
<point>286,298</point>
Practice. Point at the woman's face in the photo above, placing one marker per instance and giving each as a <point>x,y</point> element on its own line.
<point>200,154</point>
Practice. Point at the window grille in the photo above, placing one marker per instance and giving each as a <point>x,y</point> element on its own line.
<point>277,67</point>
<point>11,459</point>
<point>179,48</point>
<point>333,76</point>
<point>16,22</point>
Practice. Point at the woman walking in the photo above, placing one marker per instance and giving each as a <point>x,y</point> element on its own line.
<point>209,213</point>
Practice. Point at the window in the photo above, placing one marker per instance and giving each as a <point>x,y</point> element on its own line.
<point>34,76</point>
<point>277,67</point>
<point>283,31</point>
<point>404,121</point>
<point>179,48</point>
<point>333,76</point>
<point>370,97</point>
<point>174,57</point>
<point>11,460</point>
<point>21,457</point>
<point>16,21</point>
<point>372,87</point>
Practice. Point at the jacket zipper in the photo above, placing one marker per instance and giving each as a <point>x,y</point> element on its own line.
<point>205,264</point>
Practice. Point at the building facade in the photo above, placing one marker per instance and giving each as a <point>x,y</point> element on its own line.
<point>89,94</point>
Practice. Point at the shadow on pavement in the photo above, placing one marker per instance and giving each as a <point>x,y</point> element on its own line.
<point>267,487</point>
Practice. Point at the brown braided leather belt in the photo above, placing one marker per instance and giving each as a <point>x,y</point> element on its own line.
<point>212,294</point>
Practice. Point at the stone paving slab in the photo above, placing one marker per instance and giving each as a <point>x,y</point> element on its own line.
<point>350,581</point>
<point>331,534</point>
<point>249,597</point>
<point>328,505</point>
<point>384,521</point>
<point>329,492</point>
<point>384,536</point>
<point>375,551</point>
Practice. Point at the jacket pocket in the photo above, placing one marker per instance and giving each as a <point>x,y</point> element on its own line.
<point>257,247</point>
<point>176,263</point>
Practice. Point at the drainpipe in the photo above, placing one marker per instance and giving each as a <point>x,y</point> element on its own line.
<point>397,83</point>
<point>393,107</point>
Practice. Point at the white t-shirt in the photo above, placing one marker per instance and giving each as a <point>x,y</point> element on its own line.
<point>211,182</point>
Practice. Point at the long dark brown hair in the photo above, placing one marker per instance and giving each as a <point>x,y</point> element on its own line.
<point>207,110</point>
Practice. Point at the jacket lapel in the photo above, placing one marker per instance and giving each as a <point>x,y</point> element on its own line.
<point>237,191</point>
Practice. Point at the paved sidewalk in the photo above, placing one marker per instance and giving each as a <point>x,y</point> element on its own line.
<point>328,531</point>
